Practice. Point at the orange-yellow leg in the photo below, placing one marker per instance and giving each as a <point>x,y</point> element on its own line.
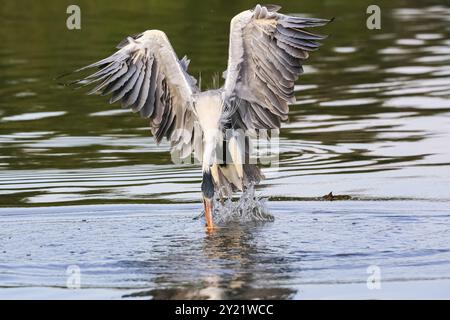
<point>208,205</point>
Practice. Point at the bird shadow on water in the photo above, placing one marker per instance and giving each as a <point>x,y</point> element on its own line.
<point>228,264</point>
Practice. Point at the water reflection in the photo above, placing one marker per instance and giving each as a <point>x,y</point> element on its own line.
<point>372,120</point>
<point>159,251</point>
<point>228,267</point>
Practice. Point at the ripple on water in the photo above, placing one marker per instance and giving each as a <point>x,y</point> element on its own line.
<point>418,102</point>
<point>89,186</point>
<point>357,111</point>
<point>34,116</point>
<point>170,256</point>
<point>412,70</point>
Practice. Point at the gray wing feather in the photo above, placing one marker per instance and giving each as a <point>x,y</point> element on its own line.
<point>131,97</point>
<point>122,91</point>
<point>108,79</point>
<point>146,76</point>
<point>147,109</point>
<point>267,50</point>
<point>143,93</point>
<point>116,85</point>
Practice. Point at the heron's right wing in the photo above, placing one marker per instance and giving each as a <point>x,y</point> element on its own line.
<point>266,53</point>
<point>146,76</point>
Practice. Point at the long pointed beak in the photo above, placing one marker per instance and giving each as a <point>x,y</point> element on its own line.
<point>208,205</point>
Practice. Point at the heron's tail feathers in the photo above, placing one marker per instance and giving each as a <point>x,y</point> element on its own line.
<point>229,178</point>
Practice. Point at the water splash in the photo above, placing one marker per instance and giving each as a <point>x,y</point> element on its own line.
<point>250,207</point>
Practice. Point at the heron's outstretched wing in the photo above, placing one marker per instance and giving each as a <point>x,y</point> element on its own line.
<point>146,76</point>
<point>266,53</point>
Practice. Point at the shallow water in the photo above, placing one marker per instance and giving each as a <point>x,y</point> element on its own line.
<point>309,245</point>
<point>372,121</point>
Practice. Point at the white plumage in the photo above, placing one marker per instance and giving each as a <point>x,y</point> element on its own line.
<point>266,53</point>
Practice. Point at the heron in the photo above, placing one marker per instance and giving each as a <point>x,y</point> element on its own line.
<point>265,56</point>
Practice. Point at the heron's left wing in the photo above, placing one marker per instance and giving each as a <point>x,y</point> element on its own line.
<point>266,53</point>
<point>146,76</point>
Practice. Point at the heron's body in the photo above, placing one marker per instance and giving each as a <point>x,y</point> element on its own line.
<point>209,108</point>
<point>266,53</point>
